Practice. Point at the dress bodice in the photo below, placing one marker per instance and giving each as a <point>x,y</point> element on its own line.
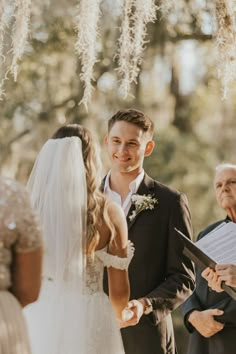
<point>19,230</point>
<point>95,267</point>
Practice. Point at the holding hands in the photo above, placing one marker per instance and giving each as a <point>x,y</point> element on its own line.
<point>223,272</point>
<point>132,313</point>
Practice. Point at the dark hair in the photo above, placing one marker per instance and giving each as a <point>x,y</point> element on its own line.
<point>132,116</point>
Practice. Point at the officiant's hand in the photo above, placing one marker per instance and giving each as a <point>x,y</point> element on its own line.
<point>214,281</point>
<point>137,308</point>
<point>227,273</point>
<point>205,323</point>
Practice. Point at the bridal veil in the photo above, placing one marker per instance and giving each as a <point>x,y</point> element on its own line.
<point>58,191</point>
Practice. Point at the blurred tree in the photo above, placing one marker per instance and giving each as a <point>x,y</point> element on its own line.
<point>178,88</point>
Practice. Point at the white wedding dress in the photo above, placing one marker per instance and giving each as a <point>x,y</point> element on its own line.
<point>100,327</point>
<point>72,315</point>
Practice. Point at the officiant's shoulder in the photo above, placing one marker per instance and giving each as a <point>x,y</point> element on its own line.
<point>209,229</point>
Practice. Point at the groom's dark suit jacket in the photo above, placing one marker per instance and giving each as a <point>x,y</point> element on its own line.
<point>158,269</point>
<point>203,298</point>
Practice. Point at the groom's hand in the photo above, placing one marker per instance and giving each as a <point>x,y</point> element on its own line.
<point>137,307</point>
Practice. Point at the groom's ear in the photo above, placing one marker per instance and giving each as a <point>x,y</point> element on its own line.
<point>149,148</point>
<point>106,140</point>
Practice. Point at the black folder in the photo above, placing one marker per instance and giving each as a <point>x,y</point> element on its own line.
<point>202,260</point>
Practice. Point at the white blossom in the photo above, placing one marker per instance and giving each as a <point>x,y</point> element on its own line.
<point>142,202</point>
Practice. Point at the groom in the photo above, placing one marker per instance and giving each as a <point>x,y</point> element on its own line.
<point>161,277</point>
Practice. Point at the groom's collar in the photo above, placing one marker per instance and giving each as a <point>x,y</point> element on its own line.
<point>133,186</point>
<point>146,186</point>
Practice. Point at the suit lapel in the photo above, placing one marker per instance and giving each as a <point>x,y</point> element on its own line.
<point>146,187</point>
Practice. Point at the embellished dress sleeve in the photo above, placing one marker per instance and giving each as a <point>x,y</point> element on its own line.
<point>110,260</point>
<point>29,233</point>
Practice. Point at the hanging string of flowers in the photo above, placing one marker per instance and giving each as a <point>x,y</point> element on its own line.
<point>3,25</point>
<point>124,52</point>
<point>136,15</point>
<point>20,33</point>
<point>144,13</point>
<point>225,39</point>
<point>17,13</point>
<point>87,29</point>
<point>2,31</point>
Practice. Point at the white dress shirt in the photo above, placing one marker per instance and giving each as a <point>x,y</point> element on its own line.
<point>133,187</point>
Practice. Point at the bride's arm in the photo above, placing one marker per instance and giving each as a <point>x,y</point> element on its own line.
<point>119,290</point>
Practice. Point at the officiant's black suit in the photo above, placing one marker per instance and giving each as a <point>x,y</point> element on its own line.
<point>158,271</point>
<point>203,298</point>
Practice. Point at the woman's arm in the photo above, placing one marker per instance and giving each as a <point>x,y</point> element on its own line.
<point>26,275</point>
<point>119,290</point>
<point>26,252</point>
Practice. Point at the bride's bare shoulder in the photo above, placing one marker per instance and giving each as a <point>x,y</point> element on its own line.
<point>114,210</point>
<point>118,220</point>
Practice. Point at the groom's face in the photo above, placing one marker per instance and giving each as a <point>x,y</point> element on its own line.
<point>127,145</point>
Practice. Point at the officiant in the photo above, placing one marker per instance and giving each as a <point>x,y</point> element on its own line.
<point>210,317</point>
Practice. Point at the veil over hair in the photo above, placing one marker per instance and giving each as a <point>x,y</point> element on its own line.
<point>58,191</point>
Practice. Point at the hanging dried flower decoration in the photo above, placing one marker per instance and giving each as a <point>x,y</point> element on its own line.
<point>124,52</point>
<point>225,39</point>
<point>145,12</point>
<point>87,28</point>
<point>3,25</point>
<point>136,15</point>
<point>21,11</point>
<point>20,32</point>
<point>167,5</point>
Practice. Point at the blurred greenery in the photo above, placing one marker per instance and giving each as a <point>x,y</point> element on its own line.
<point>177,87</point>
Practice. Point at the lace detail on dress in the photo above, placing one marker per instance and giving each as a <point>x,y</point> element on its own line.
<point>94,275</point>
<point>94,270</point>
<point>110,260</point>
<point>18,226</point>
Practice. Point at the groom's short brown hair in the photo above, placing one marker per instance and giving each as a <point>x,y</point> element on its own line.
<point>132,116</point>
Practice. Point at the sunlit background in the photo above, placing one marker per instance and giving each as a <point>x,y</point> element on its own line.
<point>178,88</point>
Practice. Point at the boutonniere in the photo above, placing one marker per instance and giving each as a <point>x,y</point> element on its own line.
<point>142,202</point>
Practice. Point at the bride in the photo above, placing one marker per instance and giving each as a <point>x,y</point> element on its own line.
<point>83,232</point>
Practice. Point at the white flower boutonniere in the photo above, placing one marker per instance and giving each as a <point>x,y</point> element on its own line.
<point>142,202</point>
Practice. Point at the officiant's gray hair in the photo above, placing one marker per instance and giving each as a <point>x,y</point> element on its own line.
<point>225,166</point>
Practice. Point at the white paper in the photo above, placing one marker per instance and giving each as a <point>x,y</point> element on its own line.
<point>220,244</point>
